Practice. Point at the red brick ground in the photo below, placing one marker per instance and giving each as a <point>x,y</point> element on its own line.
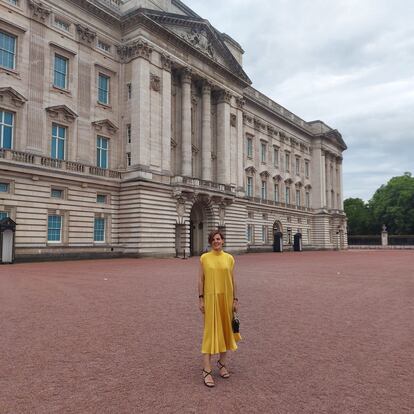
<point>324,332</point>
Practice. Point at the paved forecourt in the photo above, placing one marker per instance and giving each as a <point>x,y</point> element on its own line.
<point>324,332</point>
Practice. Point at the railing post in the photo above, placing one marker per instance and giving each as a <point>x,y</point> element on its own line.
<point>384,236</point>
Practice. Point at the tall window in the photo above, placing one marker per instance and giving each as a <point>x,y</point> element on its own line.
<point>297,165</point>
<point>307,199</point>
<point>249,147</point>
<point>129,90</point>
<point>307,169</point>
<point>249,189</point>
<point>249,233</point>
<point>287,195</point>
<point>287,161</point>
<point>298,198</point>
<point>6,129</point>
<point>54,228</point>
<point>129,160</point>
<point>102,152</point>
<point>264,234</point>
<point>3,215</point>
<point>7,51</point>
<point>60,79</point>
<point>58,142</point>
<point>263,148</point>
<point>276,193</point>
<point>99,230</point>
<point>103,89</point>
<point>264,190</point>
<point>276,157</point>
<point>128,130</point>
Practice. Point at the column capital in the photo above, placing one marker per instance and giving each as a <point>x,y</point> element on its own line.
<point>186,75</point>
<point>39,11</point>
<point>206,86</point>
<point>166,62</point>
<point>240,102</point>
<point>224,96</point>
<point>136,49</point>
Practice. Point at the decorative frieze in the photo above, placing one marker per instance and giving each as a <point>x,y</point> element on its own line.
<point>155,82</point>
<point>39,10</point>
<point>198,38</point>
<point>85,34</point>
<point>134,50</point>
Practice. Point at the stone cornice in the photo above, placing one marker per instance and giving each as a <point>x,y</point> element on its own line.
<point>137,49</point>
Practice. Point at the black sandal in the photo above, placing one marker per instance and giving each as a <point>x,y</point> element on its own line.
<point>220,365</point>
<point>205,375</point>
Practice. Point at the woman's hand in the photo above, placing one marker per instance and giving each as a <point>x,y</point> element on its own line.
<point>201,304</point>
<point>235,306</point>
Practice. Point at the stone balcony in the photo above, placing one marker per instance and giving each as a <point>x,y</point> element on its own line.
<point>41,162</point>
<point>279,204</point>
<point>200,186</point>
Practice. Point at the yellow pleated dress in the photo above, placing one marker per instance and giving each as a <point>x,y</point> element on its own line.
<point>218,303</point>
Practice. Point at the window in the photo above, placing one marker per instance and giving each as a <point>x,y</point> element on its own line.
<point>287,162</point>
<point>276,193</point>
<point>298,198</point>
<point>287,195</point>
<point>289,235</point>
<point>61,24</point>
<point>14,2</point>
<point>297,166</point>
<point>54,228</point>
<point>102,152</point>
<point>128,130</point>
<point>264,234</point>
<point>58,142</point>
<point>249,189</point>
<point>103,89</point>
<point>6,129</point>
<point>276,157</point>
<point>99,230</point>
<point>249,148</point>
<point>56,193</point>
<point>307,169</point>
<point>264,190</point>
<point>263,152</point>
<point>249,233</point>
<point>307,199</point>
<point>250,215</point>
<point>129,90</point>
<point>101,198</point>
<point>128,156</point>
<point>7,50</point>
<point>60,79</point>
<point>4,187</point>
<point>3,215</point>
<point>104,46</point>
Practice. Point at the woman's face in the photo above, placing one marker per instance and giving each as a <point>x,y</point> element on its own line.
<point>217,243</point>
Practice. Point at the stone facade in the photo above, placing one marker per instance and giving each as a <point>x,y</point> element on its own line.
<point>135,131</point>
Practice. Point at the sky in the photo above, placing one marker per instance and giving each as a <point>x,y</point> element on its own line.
<point>349,63</point>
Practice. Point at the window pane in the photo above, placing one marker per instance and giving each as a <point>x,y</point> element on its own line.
<point>99,229</point>
<point>4,187</point>
<point>56,193</point>
<point>54,226</point>
<point>101,198</point>
<point>6,129</point>
<point>7,50</point>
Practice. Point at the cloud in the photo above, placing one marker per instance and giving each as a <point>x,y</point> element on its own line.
<point>346,62</point>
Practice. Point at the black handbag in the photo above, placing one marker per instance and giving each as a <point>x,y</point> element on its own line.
<point>235,323</point>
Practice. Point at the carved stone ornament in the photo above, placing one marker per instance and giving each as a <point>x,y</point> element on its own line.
<point>265,174</point>
<point>224,96</point>
<point>39,10</point>
<point>240,102</point>
<point>155,83</point>
<point>277,177</point>
<point>62,111</point>
<point>199,39</point>
<point>85,34</point>
<point>206,86</point>
<point>233,120</point>
<point>15,97</point>
<point>166,62</point>
<point>105,123</point>
<point>180,209</point>
<point>133,50</point>
<point>186,75</point>
<point>250,170</point>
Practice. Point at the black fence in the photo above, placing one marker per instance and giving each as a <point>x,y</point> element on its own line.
<point>375,240</point>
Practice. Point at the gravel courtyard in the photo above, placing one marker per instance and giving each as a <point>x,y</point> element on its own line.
<point>324,332</point>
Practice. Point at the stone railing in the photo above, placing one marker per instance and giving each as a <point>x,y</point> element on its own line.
<point>21,157</point>
<point>116,4</point>
<point>203,184</point>
<point>278,204</point>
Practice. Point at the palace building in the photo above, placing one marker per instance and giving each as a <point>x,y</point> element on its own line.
<point>129,127</point>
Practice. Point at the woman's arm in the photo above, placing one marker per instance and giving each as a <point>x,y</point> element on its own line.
<point>201,288</point>
<point>235,297</point>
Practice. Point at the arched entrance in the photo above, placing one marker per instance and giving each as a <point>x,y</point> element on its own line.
<point>277,228</point>
<point>199,228</point>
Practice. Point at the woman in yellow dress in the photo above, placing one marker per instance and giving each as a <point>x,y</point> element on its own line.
<point>217,301</point>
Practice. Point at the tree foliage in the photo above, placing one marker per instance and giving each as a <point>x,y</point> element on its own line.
<point>392,205</point>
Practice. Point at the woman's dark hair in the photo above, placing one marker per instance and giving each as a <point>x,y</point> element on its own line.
<point>212,234</point>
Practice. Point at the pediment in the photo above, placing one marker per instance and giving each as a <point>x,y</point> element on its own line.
<point>265,174</point>
<point>250,170</point>
<point>62,111</point>
<point>15,97</point>
<point>277,177</point>
<point>199,35</point>
<point>336,137</point>
<point>105,124</point>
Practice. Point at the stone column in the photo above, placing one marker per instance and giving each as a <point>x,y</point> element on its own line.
<point>334,184</point>
<point>140,106</point>
<point>327,186</point>
<point>186,150</point>
<point>240,144</point>
<point>206,132</point>
<point>340,185</point>
<point>223,137</point>
<point>166,115</point>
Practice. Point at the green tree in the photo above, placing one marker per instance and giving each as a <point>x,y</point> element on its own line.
<point>393,205</point>
<point>359,220</point>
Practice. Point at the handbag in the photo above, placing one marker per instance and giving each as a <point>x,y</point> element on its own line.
<point>235,323</point>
